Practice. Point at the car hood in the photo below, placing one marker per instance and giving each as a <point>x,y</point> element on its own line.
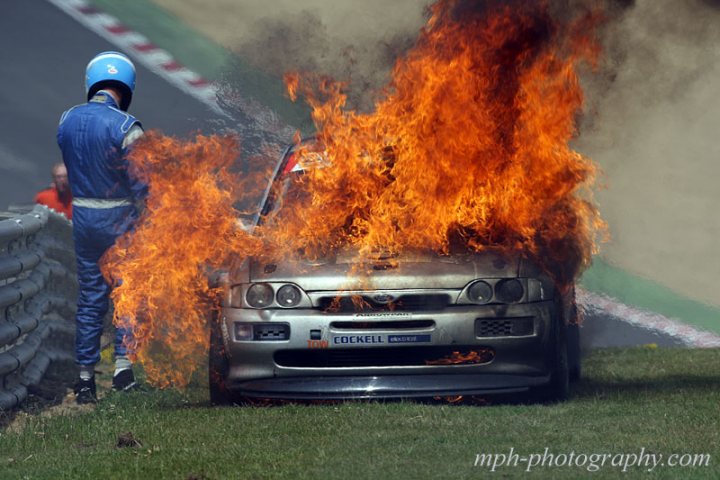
<point>406,271</point>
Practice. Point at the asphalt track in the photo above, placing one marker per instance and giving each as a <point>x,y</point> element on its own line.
<point>42,59</point>
<point>600,330</point>
<point>43,53</point>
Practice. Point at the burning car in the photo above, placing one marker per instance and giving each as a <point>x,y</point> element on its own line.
<point>409,324</point>
<point>429,248</point>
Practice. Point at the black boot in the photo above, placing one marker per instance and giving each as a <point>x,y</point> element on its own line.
<point>124,380</point>
<point>85,391</point>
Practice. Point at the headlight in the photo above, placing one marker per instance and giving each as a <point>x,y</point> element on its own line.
<point>259,295</point>
<point>288,296</point>
<point>509,291</point>
<point>480,292</point>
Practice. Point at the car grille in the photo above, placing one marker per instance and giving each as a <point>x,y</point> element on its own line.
<point>377,357</point>
<point>271,332</point>
<point>366,303</point>
<point>504,327</point>
<point>383,325</point>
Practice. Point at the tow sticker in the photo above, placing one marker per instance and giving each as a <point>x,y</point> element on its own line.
<point>317,344</point>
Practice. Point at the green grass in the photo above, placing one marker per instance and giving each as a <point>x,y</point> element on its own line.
<point>665,400</point>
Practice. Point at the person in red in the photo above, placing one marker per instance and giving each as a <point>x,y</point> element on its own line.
<point>58,196</point>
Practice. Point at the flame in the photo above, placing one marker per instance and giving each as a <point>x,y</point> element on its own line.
<point>467,148</point>
<point>483,355</point>
<point>186,228</point>
<point>464,400</point>
<point>451,400</point>
<point>469,145</point>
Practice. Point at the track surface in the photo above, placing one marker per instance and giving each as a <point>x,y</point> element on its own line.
<point>42,62</point>
<point>605,331</point>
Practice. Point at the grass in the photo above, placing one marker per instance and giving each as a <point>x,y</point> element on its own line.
<point>663,400</point>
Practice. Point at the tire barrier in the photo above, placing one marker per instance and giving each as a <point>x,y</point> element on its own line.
<point>38,291</point>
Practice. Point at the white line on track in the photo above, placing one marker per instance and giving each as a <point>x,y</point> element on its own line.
<point>655,322</point>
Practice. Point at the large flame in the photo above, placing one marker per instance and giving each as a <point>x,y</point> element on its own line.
<point>470,143</point>
<point>468,147</point>
<point>186,229</point>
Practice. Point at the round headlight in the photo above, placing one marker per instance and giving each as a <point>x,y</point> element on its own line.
<point>259,295</point>
<point>509,291</point>
<point>288,296</point>
<point>480,292</point>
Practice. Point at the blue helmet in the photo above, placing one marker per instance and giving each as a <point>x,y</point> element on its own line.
<point>111,69</point>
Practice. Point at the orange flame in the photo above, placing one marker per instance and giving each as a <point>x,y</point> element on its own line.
<point>457,358</point>
<point>469,144</point>
<point>187,226</point>
<point>466,148</point>
<point>451,400</point>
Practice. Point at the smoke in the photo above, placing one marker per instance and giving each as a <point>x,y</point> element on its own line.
<point>359,43</point>
<point>653,133</point>
<point>354,46</point>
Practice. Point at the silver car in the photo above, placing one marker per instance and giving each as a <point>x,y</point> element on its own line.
<point>424,325</point>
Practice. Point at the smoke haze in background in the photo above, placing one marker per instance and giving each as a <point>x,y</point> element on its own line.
<point>651,117</point>
<point>349,40</point>
<point>654,133</point>
<point>304,44</point>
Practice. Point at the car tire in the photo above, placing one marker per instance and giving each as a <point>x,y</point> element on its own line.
<point>574,352</point>
<point>558,389</point>
<point>217,365</point>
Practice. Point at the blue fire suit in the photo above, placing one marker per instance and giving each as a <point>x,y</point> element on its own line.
<point>94,139</point>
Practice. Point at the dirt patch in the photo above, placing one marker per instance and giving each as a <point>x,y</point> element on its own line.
<point>128,440</point>
<point>56,398</point>
<point>42,406</point>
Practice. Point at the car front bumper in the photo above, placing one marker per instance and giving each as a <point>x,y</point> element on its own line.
<point>318,360</point>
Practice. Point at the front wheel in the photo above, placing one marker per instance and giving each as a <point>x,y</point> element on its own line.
<point>574,352</point>
<point>217,365</point>
<point>558,389</point>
